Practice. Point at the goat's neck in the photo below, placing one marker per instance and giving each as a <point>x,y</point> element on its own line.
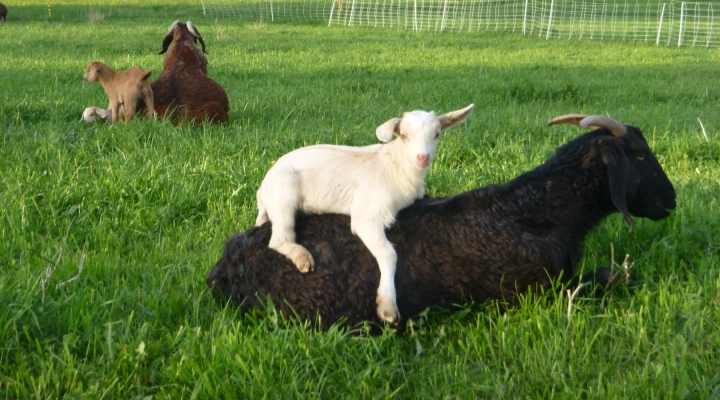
<point>577,195</point>
<point>105,73</point>
<point>565,193</point>
<point>405,176</point>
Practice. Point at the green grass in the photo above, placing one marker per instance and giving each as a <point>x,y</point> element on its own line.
<point>150,205</point>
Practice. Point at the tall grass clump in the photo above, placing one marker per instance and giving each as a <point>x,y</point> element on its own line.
<point>107,231</point>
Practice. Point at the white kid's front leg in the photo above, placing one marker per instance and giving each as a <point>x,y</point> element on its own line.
<point>373,236</point>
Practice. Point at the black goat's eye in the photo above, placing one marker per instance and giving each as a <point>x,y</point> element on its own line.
<point>640,158</point>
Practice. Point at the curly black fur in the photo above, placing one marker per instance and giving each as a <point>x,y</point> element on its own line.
<point>489,243</point>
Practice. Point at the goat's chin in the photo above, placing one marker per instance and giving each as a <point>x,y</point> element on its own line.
<point>422,165</point>
<point>658,213</point>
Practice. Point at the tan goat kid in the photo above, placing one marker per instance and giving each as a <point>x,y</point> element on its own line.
<point>123,88</point>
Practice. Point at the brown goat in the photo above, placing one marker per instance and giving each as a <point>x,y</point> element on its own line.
<point>122,88</point>
<point>184,91</point>
<point>3,12</point>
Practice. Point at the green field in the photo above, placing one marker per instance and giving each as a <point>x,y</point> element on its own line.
<point>145,209</point>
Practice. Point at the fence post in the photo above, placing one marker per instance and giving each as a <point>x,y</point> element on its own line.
<point>352,13</point>
<point>415,25</point>
<point>332,9</point>
<point>682,19</point>
<point>662,15</point>
<point>710,13</point>
<point>444,16</point>
<point>272,12</point>
<point>203,6</point>
<point>525,17</point>
<point>552,6</point>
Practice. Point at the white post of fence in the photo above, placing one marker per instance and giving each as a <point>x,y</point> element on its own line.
<point>352,13</point>
<point>444,16</point>
<point>710,18</point>
<point>552,6</point>
<point>332,9</point>
<point>415,25</point>
<point>525,17</point>
<point>272,13</point>
<point>203,6</point>
<point>682,18</point>
<point>662,14</point>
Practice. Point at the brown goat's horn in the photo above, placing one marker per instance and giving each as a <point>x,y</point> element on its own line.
<point>195,33</point>
<point>591,122</point>
<point>168,37</point>
<point>174,24</point>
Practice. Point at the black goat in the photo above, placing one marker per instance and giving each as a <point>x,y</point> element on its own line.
<point>489,243</point>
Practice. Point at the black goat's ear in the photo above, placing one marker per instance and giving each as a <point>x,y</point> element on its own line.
<point>618,169</point>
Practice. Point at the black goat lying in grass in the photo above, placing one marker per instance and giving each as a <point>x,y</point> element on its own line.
<point>489,243</point>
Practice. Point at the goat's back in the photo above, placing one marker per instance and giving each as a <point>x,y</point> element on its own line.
<point>185,93</point>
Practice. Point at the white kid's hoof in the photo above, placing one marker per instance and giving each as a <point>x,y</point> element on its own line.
<point>388,313</point>
<point>302,259</point>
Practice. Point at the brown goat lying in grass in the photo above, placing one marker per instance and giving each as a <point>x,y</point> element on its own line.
<point>183,91</point>
<point>123,88</point>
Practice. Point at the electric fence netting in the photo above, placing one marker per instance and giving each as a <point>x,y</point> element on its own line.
<point>673,24</point>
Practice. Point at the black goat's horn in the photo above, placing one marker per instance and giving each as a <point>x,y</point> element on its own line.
<point>572,119</point>
<point>615,127</point>
<point>591,122</point>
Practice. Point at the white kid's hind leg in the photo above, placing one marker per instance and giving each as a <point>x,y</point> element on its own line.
<point>280,201</point>
<point>373,236</point>
<point>262,212</point>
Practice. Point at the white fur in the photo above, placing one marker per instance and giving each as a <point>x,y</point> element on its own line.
<point>91,112</point>
<point>371,184</point>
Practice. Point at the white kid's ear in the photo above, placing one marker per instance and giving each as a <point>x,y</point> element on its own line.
<point>385,131</point>
<point>454,117</point>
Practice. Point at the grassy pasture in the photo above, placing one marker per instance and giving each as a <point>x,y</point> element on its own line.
<point>148,206</point>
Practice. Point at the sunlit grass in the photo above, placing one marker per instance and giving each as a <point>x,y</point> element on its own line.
<point>149,205</point>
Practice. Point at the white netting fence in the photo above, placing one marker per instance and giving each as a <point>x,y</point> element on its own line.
<point>674,23</point>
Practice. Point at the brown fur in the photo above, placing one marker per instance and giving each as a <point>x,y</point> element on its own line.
<point>123,88</point>
<point>183,91</point>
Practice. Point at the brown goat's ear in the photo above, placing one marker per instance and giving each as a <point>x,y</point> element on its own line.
<point>618,169</point>
<point>202,43</point>
<point>196,34</point>
<point>166,41</point>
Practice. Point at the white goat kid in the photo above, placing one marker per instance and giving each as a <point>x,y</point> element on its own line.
<point>91,114</point>
<point>371,184</point>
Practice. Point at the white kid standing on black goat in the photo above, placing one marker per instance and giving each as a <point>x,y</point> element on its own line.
<point>371,184</point>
